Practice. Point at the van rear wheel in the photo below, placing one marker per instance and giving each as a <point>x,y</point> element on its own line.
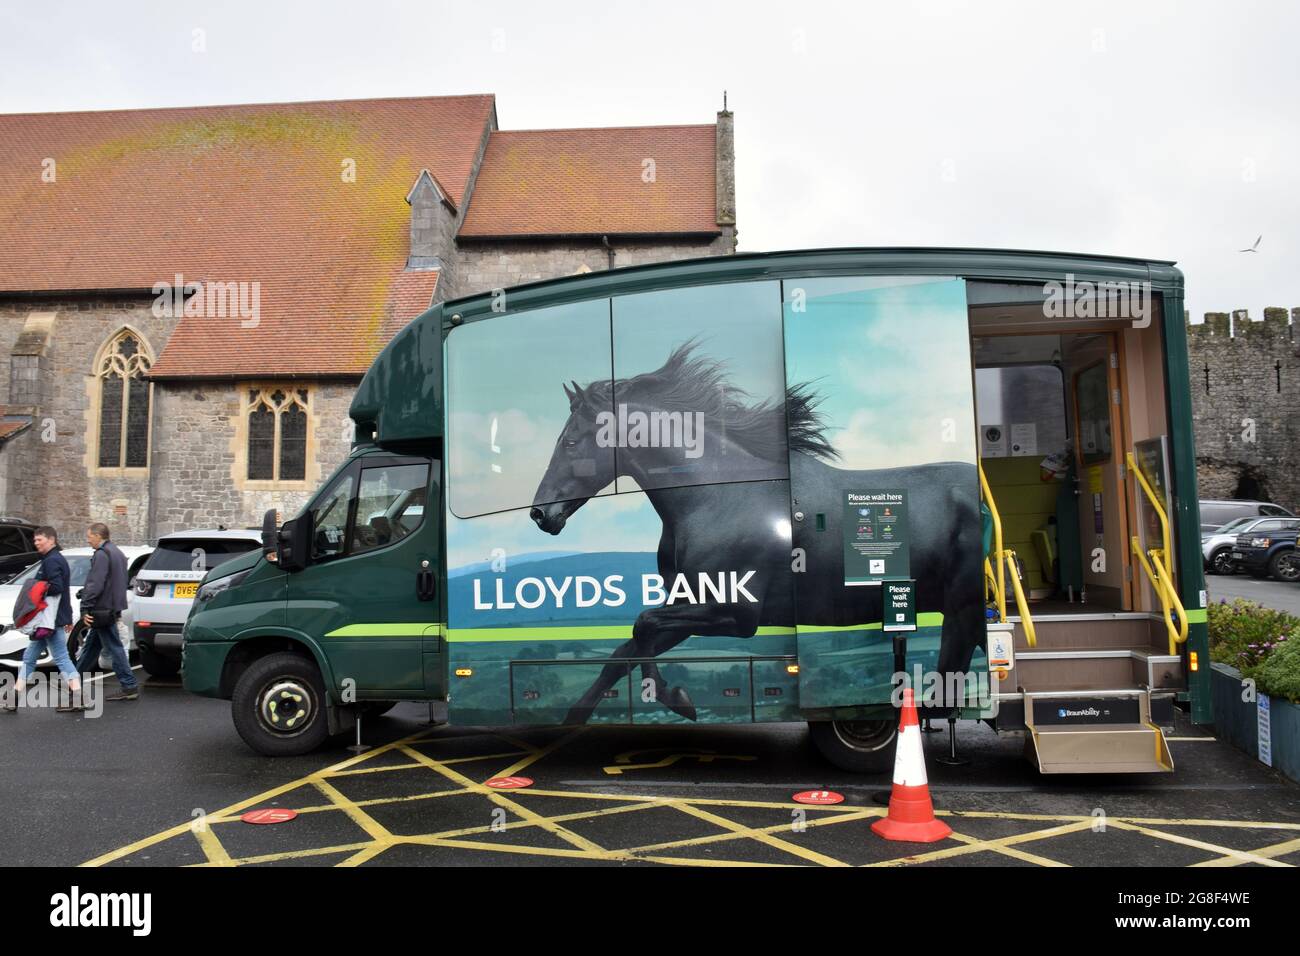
<point>279,706</point>
<point>858,746</point>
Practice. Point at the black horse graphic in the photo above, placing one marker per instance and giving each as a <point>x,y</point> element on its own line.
<point>729,509</point>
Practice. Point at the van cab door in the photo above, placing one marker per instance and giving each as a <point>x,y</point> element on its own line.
<point>375,528</point>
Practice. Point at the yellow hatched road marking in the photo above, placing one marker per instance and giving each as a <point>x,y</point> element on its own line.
<point>527,754</point>
<point>979,846</point>
<point>1274,850</point>
<point>498,797</point>
<point>353,812</point>
<point>741,830</point>
<point>992,846</point>
<point>211,846</point>
<point>1241,855</point>
<point>734,835</point>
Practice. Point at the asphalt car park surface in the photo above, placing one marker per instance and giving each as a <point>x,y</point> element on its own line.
<point>164,780</point>
<point>1275,594</point>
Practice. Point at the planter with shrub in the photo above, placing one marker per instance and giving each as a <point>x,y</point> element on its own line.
<point>1250,642</point>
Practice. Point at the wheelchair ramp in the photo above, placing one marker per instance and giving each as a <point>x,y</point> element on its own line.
<point>1094,732</point>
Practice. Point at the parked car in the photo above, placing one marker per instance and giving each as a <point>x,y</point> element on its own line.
<point>166,584</point>
<point>1215,512</point>
<point>1217,546</point>
<point>13,642</point>
<point>16,548</point>
<point>1268,553</point>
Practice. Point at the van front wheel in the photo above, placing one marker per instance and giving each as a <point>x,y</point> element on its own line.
<point>858,746</point>
<point>279,706</point>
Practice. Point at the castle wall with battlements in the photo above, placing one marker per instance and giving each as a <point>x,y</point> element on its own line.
<point>1245,377</point>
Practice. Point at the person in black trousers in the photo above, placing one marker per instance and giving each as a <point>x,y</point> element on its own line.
<point>103,599</point>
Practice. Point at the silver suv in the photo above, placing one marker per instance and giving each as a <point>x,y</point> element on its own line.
<point>167,583</point>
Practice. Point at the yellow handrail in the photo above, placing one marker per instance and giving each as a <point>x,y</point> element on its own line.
<point>1000,557</point>
<point>1000,591</point>
<point>1158,569</point>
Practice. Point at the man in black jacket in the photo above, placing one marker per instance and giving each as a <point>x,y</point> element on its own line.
<point>104,597</point>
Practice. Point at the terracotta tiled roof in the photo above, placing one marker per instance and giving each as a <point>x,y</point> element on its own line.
<point>593,182</point>
<point>11,425</point>
<point>239,194</point>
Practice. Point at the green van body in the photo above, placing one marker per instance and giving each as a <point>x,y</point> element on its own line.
<point>463,636</point>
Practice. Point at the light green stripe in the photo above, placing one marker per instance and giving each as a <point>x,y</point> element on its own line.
<point>928,619</point>
<point>1196,615</point>
<point>461,635</point>
<point>404,629</point>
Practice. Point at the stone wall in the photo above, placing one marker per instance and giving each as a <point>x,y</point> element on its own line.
<point>498,264</point>
<point>51,474</point>
<point>199,464</point>
<point>1246,406</point>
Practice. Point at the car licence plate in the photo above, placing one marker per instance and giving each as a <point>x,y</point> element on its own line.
<point>185,590</point>
<point>1237,555</point>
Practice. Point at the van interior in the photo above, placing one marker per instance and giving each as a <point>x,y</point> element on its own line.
<point>1060,404</point>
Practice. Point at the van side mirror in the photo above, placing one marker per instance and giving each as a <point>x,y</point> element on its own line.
<point>295,539</point>
<point>270,537</point>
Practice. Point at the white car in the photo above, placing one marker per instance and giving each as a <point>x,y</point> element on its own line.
<point>13,642</point>
<point>165,586</point>
<point>1216,546</point>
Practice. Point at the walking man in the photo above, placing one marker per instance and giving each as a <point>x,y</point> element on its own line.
<point>103,599</point>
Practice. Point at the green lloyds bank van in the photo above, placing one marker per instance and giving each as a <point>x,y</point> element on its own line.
<point>747,489</point>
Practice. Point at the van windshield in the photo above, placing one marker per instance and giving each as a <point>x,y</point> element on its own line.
<point>196,554</point>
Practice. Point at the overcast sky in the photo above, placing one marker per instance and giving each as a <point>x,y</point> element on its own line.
<point>1159,129</point>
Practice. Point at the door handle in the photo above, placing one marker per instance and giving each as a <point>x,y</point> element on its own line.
<point>425,587</point>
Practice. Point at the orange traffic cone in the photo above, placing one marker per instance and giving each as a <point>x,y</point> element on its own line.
<point>911,815</point>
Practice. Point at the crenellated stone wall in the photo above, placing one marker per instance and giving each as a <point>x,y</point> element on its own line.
<point>1246,405</point>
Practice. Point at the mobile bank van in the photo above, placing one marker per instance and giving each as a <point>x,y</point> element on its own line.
<point>747,489</point>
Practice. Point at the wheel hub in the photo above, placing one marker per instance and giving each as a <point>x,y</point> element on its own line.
<point>285,706</point>
<point>867,735</point>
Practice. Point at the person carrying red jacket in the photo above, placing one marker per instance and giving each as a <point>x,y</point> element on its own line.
<point>44,613</point>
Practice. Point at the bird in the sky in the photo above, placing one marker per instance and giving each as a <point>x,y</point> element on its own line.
<point>1254,248</point>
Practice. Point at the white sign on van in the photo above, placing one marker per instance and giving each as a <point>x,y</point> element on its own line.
<point>1024,440</point>
<point>993,441</point>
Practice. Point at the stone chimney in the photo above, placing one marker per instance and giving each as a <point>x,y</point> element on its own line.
<point>726,173</point>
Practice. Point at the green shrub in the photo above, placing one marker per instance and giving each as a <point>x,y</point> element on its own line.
<point>1244,634</point>
<point>1279,674</point>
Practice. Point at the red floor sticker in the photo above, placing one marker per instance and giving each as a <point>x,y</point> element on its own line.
<point>269,815</point>
<point>509,783</point>
<point>818,797</point>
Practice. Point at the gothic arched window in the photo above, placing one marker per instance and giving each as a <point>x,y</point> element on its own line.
<point>124,395</point>
<point>277,433</point>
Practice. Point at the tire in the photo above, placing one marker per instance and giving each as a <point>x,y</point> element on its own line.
<point>259,709</point>
<point>1221,562</point>
<point>376,708</point>
<point>1285,566</point>
<point>858,746</point>
<point>158,665</point>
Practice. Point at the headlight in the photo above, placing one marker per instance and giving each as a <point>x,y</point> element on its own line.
<point>1259,542</point>
<point>213,588</point>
